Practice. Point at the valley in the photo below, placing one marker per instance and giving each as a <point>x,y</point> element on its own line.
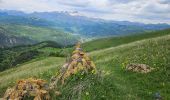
<point>61,27</point>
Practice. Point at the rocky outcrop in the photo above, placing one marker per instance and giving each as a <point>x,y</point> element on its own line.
<point>7,40</point>
<point>36,88</point>
<point>141,68</point>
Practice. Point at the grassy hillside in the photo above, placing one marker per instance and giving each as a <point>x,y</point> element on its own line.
<point>115,41</point>
<point>40,34</point>
<point>121,84</point>
<point>8,40</point>
<point>112,82</point>
<point>36,68</point>
<point>10,57</point>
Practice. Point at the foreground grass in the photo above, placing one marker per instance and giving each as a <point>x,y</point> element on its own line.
<point>33,69</point>
<point>114,83</point>
<point>134,86</point>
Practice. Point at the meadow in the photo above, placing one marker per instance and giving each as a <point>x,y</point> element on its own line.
<point>112,82</point>
<point>115,83</point>
<point>34,68</point>
<point>119,40</point>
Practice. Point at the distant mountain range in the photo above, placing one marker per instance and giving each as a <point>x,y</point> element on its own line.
<point>66,24</point>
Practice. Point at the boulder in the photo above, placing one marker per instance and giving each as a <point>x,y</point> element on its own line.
<point>141,68</point>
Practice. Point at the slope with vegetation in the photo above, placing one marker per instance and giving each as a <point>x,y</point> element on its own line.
<point>8,40</point>
<point>41,67</point>
<point>39,34</point>
<point>115,41</point>
<point>120,84</point>
<point>10,57</point>
<point>112,80</point>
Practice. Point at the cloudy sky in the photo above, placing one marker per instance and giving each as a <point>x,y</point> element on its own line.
<point>147,11</point>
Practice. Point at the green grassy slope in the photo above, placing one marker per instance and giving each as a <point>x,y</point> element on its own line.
<point>115,41</point>
<point>10,57</point>
<point>112,82</point>
<point>120,84</point>
<point>40,34</point>
<point>41,68</point>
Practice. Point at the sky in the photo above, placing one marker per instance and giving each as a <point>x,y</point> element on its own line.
<point>146,11</point>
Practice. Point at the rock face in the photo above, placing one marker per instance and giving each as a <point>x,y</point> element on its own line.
<point>141,68</point>
<point>7,40</point>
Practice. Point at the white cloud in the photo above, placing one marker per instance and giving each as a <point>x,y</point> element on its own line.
<point>147,11</point>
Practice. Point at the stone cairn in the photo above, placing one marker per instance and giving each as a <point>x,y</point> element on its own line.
<point>31,87</point>
<point>39,89</point>
<point>79,61</point>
